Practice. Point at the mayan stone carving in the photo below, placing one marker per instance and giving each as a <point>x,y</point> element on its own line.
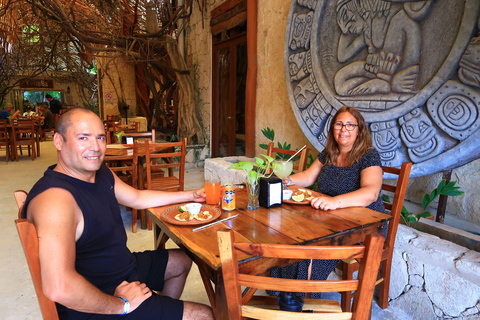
<point>411,67</point>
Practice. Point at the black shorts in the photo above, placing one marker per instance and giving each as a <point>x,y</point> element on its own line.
<point>151,266</point>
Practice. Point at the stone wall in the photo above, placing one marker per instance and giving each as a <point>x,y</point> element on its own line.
<point>433,278</point>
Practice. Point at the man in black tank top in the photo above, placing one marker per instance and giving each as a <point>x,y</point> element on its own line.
<point>87,268</point>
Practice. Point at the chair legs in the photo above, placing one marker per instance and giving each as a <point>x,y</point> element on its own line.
<point>347,273</point>
<point>134,220</point>
<point>386,268</point>
<point>384,286</point>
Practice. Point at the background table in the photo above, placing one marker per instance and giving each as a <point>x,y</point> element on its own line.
<point>287,224</point>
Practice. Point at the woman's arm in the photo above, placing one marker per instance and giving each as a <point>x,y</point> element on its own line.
<point>370,184</point>
<point>305,178</point>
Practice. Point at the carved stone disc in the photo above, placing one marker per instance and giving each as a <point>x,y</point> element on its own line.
<point>411,67</point>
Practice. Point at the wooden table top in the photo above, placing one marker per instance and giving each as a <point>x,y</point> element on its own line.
<point>287,224</point>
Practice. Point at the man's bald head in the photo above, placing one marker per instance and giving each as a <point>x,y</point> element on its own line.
<point>65,120</point>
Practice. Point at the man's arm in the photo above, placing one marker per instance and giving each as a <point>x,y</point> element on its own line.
<point>143,199</point>
<point>59,224</point>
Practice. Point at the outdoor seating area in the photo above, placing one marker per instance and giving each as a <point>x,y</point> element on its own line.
<point>240,159</point>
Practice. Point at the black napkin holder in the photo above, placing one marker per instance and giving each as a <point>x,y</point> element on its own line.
<point>127,139</point>
<point>271,193</point>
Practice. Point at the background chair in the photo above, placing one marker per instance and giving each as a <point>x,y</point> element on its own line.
<point>166,154</point>
<point>262,308</point>
<point>5,138</point>
<point>349,266</point>
<point>29,239</point>
<point>143,135</point>
<point>299,165</point>
<point>126,168</point>
<point>23,132</point>
<point>161,159</point>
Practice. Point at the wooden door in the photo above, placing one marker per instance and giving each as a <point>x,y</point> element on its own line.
<point>228,109</point>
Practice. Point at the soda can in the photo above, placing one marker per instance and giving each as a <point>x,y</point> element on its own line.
<point>228,197</point>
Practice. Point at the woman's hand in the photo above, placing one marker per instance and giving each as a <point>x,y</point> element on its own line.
<point>325,203</point>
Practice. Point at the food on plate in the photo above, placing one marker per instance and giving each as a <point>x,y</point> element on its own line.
<point>298,196</point>
<point>182,208</point>
<point>205,215</point>
<point>184,216</point>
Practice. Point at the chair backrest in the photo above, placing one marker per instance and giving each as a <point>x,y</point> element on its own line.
<point>364,286</point>
<point>125,164</point>
<point>171,159</point>
<point>299,165</point>
<point>29,239</point>
<point>20,197</point>
<point>395,207</point>
<point>112,118</point>
<point>145,135</point>
<point>125,128</point>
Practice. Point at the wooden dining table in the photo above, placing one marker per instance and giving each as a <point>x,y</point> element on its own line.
<point>286,224</point>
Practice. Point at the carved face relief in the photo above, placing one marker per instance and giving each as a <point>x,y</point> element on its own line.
<point>419,99</point>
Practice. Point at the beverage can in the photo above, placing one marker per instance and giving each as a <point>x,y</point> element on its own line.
<point>228,197</point>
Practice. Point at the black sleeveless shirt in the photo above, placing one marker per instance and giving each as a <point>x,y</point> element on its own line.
<point>102,256</point>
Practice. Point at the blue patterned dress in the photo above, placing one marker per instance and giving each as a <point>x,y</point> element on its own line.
<point>332,181</point>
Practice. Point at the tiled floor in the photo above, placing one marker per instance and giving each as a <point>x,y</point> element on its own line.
<point>17,296</point>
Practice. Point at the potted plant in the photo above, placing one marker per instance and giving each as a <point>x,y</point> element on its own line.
<point>254,172</point>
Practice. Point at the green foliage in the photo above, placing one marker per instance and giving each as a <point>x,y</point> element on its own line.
<point>270,135</point>
<point>442,189</point>
<point>254,171</point>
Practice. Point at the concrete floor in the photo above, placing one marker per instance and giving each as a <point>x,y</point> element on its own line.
<point>17,295</point>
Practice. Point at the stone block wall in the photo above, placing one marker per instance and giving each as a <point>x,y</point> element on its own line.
<point>434,278</point>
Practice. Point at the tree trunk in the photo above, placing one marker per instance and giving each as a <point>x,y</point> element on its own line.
<point>188,124</point>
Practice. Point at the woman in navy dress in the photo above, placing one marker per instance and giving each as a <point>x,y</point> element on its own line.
<point>349,173</point>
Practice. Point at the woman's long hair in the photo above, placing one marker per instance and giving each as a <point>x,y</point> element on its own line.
<point>361,145</point>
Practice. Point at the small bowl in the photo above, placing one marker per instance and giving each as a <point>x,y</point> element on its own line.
<point>287,194</point>
<point>194,208</point>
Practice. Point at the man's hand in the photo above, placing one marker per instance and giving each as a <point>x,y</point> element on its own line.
<point>199,195</point>
<point>135,293</point>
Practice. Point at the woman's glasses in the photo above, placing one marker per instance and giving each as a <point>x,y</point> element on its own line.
<point>348,126</point>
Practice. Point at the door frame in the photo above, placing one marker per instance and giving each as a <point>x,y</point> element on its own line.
<point>230,43</point>
<point>251,85</point>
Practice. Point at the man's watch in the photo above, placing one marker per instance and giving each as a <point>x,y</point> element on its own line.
<point>126,306</point>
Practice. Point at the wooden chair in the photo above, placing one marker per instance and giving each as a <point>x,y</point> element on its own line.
<point>261,307</point>
<point>126,168</point>
<point>112,118</point>
<point>143,135</point>
<point>299,165</point>
<point>20,197</point>
<point>166,154</point>
<point>29,239</point>
<point>349,266</point>
<point>125,128</point>
<point>23,133</point>
<point>5,138</point>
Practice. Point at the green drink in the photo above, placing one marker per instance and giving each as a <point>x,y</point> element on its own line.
<point>282,169</point>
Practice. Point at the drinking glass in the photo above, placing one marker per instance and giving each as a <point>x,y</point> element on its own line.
<point>282,169</point>
<point>213,190</point>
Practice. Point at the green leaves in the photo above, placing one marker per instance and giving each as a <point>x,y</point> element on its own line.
<point>269,134</point>
<point>442,189</point>
<point>254,173</point>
